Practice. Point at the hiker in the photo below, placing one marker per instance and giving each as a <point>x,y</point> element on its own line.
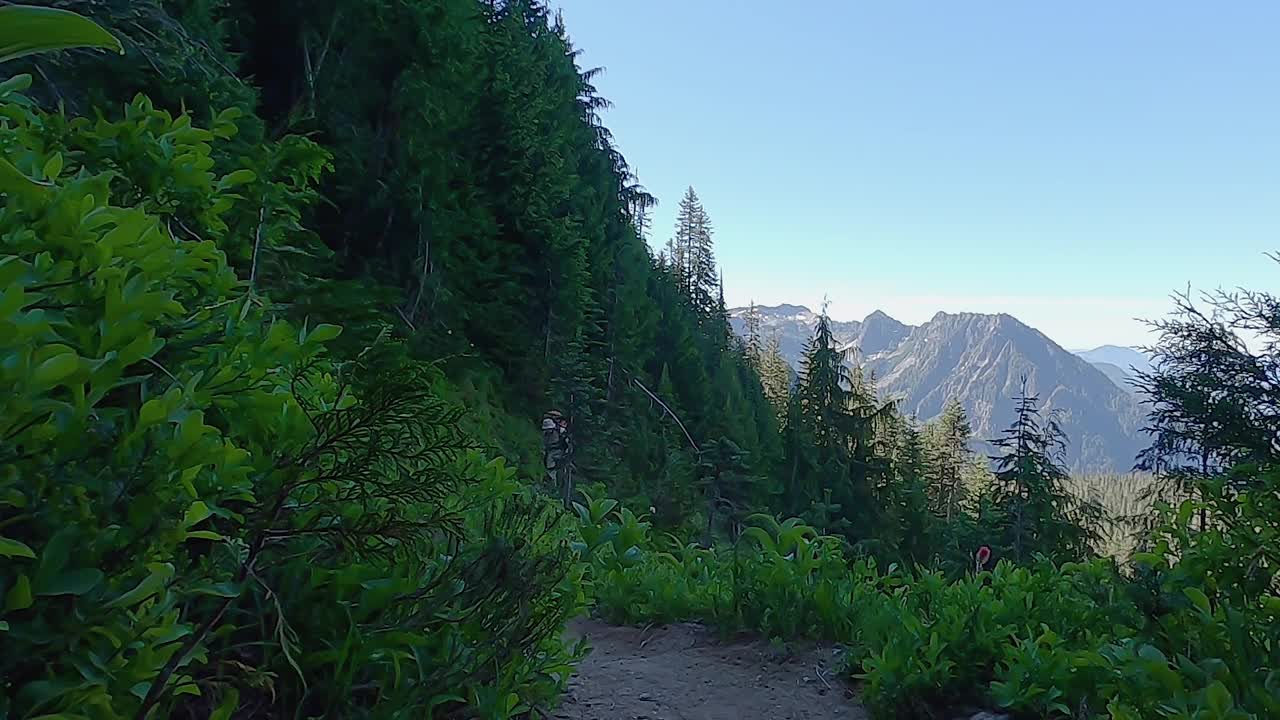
<point>557,453</point>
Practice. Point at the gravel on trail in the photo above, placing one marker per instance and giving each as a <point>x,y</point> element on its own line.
<point>685,672</point>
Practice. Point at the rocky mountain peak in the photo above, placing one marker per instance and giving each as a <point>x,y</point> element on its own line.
<point>980,359</point>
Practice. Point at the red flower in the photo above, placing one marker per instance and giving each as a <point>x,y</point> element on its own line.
<point>984,554</point>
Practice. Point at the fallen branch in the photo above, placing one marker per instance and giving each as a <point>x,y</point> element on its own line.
<point>406,319</point>
<point>689,437</point>
<point>645,638</point>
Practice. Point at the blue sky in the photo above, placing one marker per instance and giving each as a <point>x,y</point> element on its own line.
<point>1068,163</point>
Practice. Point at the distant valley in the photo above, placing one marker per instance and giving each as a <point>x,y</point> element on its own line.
<point>980,360</point>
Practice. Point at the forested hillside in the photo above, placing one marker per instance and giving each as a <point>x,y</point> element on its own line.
<point>287,291</point>
<point>460,188</point>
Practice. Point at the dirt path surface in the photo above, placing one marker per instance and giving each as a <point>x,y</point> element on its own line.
<point>683,672</point>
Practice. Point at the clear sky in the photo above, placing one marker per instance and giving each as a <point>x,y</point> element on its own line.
<point>1070,163</point>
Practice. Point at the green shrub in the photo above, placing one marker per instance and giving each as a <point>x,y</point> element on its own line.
<point>201,510</point>
<point>124,352</point>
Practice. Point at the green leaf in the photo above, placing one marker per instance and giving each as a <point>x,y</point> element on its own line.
<point>13,548</point>
<point>73,582</point>
<point>761,536</point>
<point>196,514</point>
<point>55,554</point>
<point>17,83</point>
<point>1185,511</point>
<point>1219,699</point>
<point>51,371</point>
<point>25,30</point>
<point>1148,559</point>
<point>238,177</point>
<point>1151,653</point>
<point>1198,598</point>
<point>230,701</point>
<point>150,585</point>
<point>188,689</point>
<point>223,589</point>
<point>437,700</point>
<point>152,412</point>
<point>53,167</point>
<point>19,596</point>
<point>631,556</point>
<point>15,182</point>
<point>324,332</point>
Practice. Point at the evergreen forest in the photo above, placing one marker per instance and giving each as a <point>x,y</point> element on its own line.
<point>286,291</point>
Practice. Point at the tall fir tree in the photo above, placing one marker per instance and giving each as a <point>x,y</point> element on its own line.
<point>1213,399</point>
<point>751,321</point>
<point>1037,514</point>
<point>906,498</point>
<point>705,283</point>
<point>679,250</point>
<point>830,439</point>
<point>720,327</point>
<point>775,375</point>
<point>824,391</point>
<point>1215,426</point>
<point>639,205</point>
<point>948,457</point>
<point>691,250</point>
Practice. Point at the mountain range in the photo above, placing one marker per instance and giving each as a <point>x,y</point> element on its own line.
<point>980,359</point>
<point>1121,364</point>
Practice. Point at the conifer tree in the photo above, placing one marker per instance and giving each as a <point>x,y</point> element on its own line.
<point>680,246</point>
<point>830,437</point>
<point>722,331</point>
<point>1216,433</point>
<point>909,451</point>
<point>873,429</point>
<point>1212,398</point>
<point>903,497</point>
<point>824,391</point>
<point>948,457</point>
<point>775,375</point>
<point>692,255</point>
<point>703,280</point>
<point>639,203</point>
<point>1037,513</point>
<point>751,336</point>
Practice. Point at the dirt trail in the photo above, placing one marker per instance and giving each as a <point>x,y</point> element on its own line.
<point>683,672</point>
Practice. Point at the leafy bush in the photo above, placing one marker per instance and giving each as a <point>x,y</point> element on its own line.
<point>117,445</point>
<point>200,509</point>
